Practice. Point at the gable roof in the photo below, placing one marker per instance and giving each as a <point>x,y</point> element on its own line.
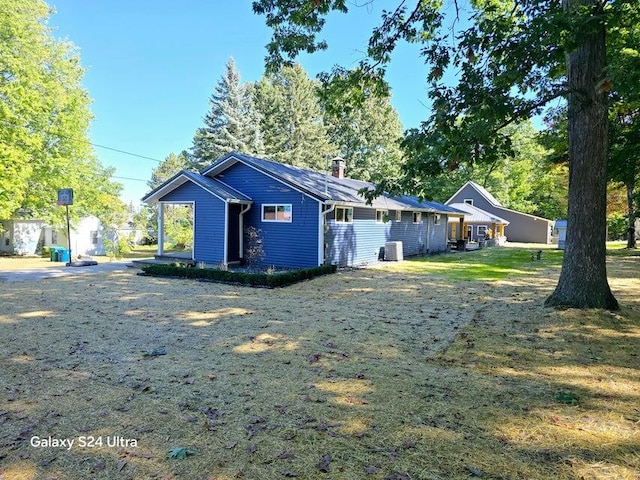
<point>324,187</point>
<point>477,215</point>
<point>211,185</point>
<point>492,200</point>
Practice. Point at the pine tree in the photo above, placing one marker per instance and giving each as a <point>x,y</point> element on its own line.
<point>292,119</point>
<point>231,124</point>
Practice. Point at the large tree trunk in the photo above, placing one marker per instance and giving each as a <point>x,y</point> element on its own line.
<point>583,278</point>
<point>631,239</point>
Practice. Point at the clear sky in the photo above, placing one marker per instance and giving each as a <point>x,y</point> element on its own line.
<point>152,66</point>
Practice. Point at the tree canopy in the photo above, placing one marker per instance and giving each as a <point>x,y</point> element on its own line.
<point>44,119</point>
<point>509,60</point>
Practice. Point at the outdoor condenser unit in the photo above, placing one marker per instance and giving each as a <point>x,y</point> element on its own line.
<point>393,251</point>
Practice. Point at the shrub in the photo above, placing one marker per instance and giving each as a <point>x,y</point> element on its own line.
<point>270,280</point>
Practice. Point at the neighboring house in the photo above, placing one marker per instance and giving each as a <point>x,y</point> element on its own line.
<point>28,237</point>
<point>522,227</point>
<point>478,225</point>
<point>306,218</point>
<point>560,230</point>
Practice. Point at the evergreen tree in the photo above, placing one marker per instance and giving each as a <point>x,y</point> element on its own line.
<point>231,124</point>
<point>292,119</point>
<point>44,119</point>
<point>367,135</point>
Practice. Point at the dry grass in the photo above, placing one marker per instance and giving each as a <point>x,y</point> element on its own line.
<point>389,374</point>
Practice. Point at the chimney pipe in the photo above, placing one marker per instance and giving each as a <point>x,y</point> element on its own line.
<point>337,167</point>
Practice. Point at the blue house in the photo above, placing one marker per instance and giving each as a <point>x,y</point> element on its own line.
<point>306,218</point>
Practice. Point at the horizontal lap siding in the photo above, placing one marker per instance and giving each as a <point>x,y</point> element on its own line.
<point>412,235</point>
<point>437,234</point>
<point>285,244</point>
<point>360,241</point>
<point>357,242</point>
<point>209,221</point>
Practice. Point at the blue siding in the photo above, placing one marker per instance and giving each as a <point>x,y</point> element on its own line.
<point>208,244</point>
<point>360,242</point>
<point>285,244</point>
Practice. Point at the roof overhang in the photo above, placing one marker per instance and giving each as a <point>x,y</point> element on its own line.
<point>178,180</point>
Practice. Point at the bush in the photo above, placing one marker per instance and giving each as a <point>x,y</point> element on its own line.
<point>617,226</point>
<point>252,279</point>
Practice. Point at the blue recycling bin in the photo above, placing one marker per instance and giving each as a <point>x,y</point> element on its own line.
<point>64,255</point>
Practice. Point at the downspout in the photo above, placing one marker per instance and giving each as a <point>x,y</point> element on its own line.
<point>323,220</point>
<point>241,226</point>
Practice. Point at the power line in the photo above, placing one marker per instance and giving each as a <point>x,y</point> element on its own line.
<point>125,152</point>
<point>129,178</point>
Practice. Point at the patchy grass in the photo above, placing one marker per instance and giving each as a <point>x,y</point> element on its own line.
<point>363,374</point>
<point>488,264</point>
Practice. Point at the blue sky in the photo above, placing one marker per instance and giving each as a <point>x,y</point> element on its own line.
<point>152,66</point>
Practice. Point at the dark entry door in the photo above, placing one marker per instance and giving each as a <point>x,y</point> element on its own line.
<point>233,235</point>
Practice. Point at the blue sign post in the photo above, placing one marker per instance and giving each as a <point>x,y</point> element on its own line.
<point>65,197</point>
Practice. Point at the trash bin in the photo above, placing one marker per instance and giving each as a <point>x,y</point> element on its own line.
<point>54,250</point>
<point>64,255</point>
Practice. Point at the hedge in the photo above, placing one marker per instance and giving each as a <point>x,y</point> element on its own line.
<point>270,280</point>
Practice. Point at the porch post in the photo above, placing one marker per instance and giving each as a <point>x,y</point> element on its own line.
<point>460,230</point>
<point>160,229</point>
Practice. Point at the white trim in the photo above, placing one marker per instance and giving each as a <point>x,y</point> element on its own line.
<point>225,252</point>
<point>277,205</point>
<point>180,180</point>
<point>413,217</point>
<point>193,228</point>
<point>468,201</point>
<point>344,215</point>
<point>398,217</point>
<point>384,212</point>
<point>161,229</point>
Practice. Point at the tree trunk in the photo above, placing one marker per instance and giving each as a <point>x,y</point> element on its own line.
<point>583,278</point>
<point>631,240</point>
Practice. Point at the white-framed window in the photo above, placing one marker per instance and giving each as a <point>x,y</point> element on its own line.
<point>469,201</point>
<point>344,214</point>
<point>382,216</point>
<point>436,219</point>
<point>398,215</point>
<point>482,229</point>
<point>277,213</point>
<point>93,235</point>
<point>417,217</point>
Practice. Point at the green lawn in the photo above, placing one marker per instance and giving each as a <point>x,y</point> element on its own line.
<point>486,265</point>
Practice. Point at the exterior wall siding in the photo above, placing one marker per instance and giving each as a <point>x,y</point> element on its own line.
<point>360,242</point>
<point>521,228</point>
<point>208,242</point>
<point>285,244</point>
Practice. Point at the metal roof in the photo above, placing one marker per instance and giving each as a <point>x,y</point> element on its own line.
<point>477,215</point>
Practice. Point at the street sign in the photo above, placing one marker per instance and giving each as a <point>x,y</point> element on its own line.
<point>65,196</point>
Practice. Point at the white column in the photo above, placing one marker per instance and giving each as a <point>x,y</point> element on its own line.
<point>160,229</point>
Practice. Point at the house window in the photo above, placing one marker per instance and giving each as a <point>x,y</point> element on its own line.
<point>417,217</point>
<point>276,213</point>
<point>469,201</point>
<point>436,219</point>
<point>94,237</point>
<point>54,237</point>
<point>382,216</point>
<point>482,229</point>
<point>344,214</point>
<point>398,215</point>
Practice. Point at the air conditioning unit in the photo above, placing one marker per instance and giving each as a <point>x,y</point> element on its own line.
<point>393,251</point>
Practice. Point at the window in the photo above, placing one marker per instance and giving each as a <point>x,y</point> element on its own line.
<point>54,237</point>
<point>417,217</point>
<point>469,201</point>
<point>436,219</point>
<point>398,215</point>
<point>344,214</point>
<point>93,235</point>
<point>382,216</point>
<point>482,229</point>
<point>276,213</point>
